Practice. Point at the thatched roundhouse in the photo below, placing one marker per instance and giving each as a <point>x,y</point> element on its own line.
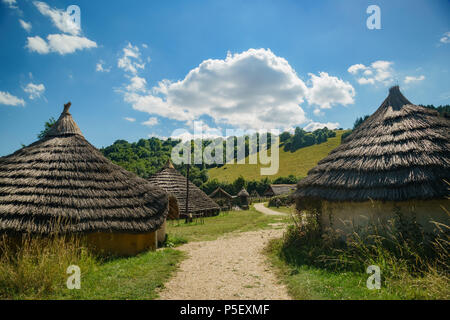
<point>222,198</point>
<point>398,158</point>
<point>61,184</point>
<point>243,196</point>
<point>173,182</point>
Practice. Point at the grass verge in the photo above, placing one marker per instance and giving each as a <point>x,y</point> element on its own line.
<point>225,222</point>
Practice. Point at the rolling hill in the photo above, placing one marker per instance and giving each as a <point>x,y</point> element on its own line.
<point>297,163</point>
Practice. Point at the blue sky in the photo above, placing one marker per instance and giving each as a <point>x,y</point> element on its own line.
<point>140,68</point>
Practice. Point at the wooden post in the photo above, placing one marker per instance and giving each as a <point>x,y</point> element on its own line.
<point>187,192</point>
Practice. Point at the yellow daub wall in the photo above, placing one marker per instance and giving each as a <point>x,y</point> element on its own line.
<point>122,244</point>
<point>161,233</point>
<point>338,214</point>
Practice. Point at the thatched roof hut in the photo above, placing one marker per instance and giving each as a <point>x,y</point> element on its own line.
<point>279,189</point>
<point>398,156</point>
<point>243,196</point>
<point>222,198</point>
<point>62,184</point>
<point>170,180</point>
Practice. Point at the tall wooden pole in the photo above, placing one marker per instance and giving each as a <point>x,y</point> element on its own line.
<point>187,193</point>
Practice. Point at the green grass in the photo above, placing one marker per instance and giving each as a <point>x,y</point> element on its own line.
<point>306,282</point>
<point>137,277</point>
<point>297,163</point>
<point>214,227</point>
<point>283,209</point>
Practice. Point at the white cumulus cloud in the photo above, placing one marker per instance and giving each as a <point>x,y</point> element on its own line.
<point>10,3</point>
<point>409,79</point>
<point>130,119</point>
<point>150,122</point>
<point>327,90</point>
<point>99,67</point>
<point>59,43</point>
<point>60,18</point>
<point>10,100</point>
<point>445,38</point>
<point>34,90</point>
<point>254,89</point>
<point>378,72</point>
<point>131,59</point>
<point>26,25</point>
<point>318,125</point>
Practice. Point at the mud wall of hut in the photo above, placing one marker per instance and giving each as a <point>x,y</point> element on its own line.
<point>342,215</point>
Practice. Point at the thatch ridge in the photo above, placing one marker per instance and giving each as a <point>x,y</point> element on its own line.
<point>63,184</point>
<point>173,182</point>
<point>400,152</point>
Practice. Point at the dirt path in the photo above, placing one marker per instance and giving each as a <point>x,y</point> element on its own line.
<point>231,267</point>
<point>261,208</point>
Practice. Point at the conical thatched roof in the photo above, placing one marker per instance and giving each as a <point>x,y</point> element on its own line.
<point>401,152</point>
<point>219,191</point>
<point>243,193</point>
<point>255,194</point>
<point>170,180</point>
<point>62,183</point>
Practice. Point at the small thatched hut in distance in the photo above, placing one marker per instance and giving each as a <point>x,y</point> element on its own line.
<point>243,198</point>
<point>222,198</point>
<point>173,182</point>
<point>398,158</point>
<point>61,184</point>
<point>279,190</point>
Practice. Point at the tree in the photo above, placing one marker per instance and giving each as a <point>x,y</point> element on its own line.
<point>47,126</point>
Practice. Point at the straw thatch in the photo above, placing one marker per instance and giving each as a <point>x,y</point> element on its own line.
<point>63,184</point>
<point>279,189</point>
<point>401,152</point>
<point>170,180</point>
<point>243,193</point>
<point>220,193</point>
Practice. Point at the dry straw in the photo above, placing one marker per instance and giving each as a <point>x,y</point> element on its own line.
<point>62,184</point>
<point>401,152</point>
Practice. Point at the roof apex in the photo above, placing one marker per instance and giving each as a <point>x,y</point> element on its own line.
<point>65,124</point>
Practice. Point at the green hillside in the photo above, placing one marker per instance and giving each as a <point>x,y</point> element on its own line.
<point>297,163</point>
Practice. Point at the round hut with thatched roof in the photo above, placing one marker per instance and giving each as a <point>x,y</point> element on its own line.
<point>63,185</point>
<point>398,159</point>
<point>173,182</point>
<point>243,198</point>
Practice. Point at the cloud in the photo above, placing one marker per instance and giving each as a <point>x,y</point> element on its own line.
<point>254,89</point>
<point>130,119</point>
<point>327,90</point>
<point>409,79</point>
<point>10,3</point>
<point>378,72</point>
<point>131,60</point>
<point>137,84</point>
<point>26,25</point>
<point>34,90</point>
<point>445,38</point>
<point>10,100</point>
<point>150,122</point>
<point>100,68</point>
<point>38,45</point>
<point>60,18</point>
<point>59,43</point>
<point>318,125</point>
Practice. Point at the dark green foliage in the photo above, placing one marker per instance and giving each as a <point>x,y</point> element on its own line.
<point>47,126</point>
<point>301,138</point>
<point>444,110</point>
<point>283,200</point>
<point>359,121</point>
